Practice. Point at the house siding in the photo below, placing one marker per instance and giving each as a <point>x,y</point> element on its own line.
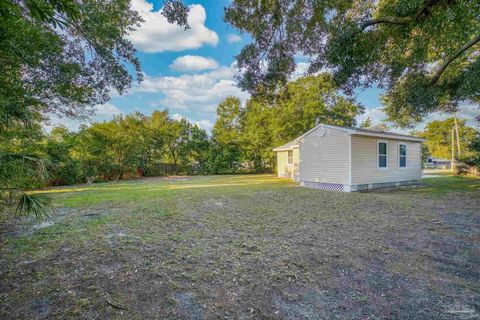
<point>364,161</point>
<point>325,159</point>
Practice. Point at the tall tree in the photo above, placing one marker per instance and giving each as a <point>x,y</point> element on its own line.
<point>63,169</point>
<point>256,134</point>
<point>226,135</point>
<point>157,127</point>
<point>226,129</point>
<point>424,53</point>
<point>439,137</point>
<point>63,57</point>
<point>308,100</point>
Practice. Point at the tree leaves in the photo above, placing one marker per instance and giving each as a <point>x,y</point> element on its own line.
<point>33,204</point>
<point>424,53</point>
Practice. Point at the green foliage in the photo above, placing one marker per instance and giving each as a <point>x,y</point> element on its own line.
<point>63,56</point>
<point>127,147</point>
<point>136,145</point>
<point>33,204</point>
<point>461,168</point>
<point>59,57</point>
<point>367,123</point>
<point>439,138</point>
<point>226,134</point>
<point>226,130</point>
<point>307,101</point>
<point>424,53</point>
<point>248,135</point>
<point>472,159</point>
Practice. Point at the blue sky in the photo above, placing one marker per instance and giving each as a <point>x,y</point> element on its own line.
<point>190,72</point>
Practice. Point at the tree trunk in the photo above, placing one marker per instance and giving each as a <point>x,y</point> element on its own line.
<point>452,163</point>
<point>459,153</point>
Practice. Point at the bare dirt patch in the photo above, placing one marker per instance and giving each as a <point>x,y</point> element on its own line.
<point>260,251</point>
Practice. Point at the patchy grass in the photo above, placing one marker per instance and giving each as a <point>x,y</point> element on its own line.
<point>444,185</point>
<point>246,247</point>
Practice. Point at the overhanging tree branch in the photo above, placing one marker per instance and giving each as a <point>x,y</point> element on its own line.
<point>457,54</point>
<point>423,10</point>
<point>386,20</point>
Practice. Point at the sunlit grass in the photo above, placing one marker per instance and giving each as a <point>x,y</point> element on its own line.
<point>449,183</point>
<point>138,191</point>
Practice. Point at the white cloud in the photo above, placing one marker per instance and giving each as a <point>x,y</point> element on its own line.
<point>375,114</point>
<point>156,34</point>
<point>200,92</point>
<point>177,116</point>
<point>193,63</point>
<point>467,112</point>
<point>301,69</point>
<point>102,112</point>
<point>205,124</point>
<point>232,38</point>
<point>106,110</point>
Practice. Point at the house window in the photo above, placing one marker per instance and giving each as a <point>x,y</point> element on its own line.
<point>290,157</point>
<point>382,154</point>
<point>402,152</point>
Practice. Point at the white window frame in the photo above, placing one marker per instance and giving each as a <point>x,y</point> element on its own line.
<point>378,155</point>
<point>288,157</point>
<point>400,156</point>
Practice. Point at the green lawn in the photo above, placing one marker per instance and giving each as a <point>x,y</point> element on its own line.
<point>252,246</point>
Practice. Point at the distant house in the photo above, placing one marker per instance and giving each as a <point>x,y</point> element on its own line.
<point>350,159</point>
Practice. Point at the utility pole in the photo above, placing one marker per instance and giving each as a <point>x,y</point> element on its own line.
<point>452,162</point>
<point>458,136</point>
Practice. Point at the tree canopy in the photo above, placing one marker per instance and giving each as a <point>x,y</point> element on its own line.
<point>424,53</point>
<point>439,138</point>
<point>65,56</point>
<point>60,57</point>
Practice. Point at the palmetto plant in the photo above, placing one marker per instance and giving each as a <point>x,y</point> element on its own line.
<point>37,205</point>
<point>18,174</point>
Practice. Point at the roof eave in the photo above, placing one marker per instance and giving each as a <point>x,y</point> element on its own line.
<point>285,149</point>
<point>388,136</point>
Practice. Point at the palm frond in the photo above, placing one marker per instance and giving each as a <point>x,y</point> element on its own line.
<point>37,163</point>
<point>34,204</point>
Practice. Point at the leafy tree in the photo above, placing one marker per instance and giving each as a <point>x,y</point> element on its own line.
<point>381,126</point>
<point>199,147</point>
<point>226,136</point>
<point>424,53</point>
<point>184,142</point>
<point>367,123</point>
<point>306,101</point>
<point>175,140</point>
<point>22,168</point>
<point>257,137</point>
<point>63,57</point>
<point>227,126</point>
<point>63,169</point>
<point>157,125</point>
<point>114,148</point>
<point>439,137</point>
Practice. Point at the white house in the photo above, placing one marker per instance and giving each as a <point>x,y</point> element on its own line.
<point>350,159</point>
